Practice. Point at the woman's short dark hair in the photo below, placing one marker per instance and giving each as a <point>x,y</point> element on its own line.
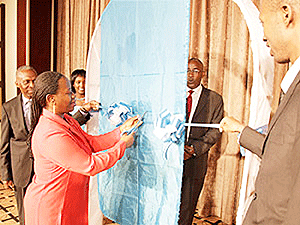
<point>76,73</point>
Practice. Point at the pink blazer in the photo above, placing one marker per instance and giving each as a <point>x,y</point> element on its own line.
<point>63,162</point>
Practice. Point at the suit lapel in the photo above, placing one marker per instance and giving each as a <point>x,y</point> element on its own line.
<point>20,113</point>
<point>284,102</point>
<point>202,102</point>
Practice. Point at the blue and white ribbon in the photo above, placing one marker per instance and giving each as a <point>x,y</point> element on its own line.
<point>169,128</point>
<point>118,113</point>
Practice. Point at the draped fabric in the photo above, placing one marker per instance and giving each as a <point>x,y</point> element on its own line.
<point>220,38</point>
<point>144,187</point>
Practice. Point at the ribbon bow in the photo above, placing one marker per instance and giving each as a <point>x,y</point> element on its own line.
<point>169,128</point>
<point>118,113</point>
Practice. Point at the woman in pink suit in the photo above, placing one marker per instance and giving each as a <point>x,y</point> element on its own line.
<point>63,159</point>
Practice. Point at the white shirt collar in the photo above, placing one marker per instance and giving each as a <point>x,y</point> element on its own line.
<point>25,100</point>
<point>290,76</point>
<point>196,90</point>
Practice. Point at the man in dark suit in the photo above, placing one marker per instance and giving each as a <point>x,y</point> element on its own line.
<point>277,188</point>
<point>203,106</point>
<point>16,161</point>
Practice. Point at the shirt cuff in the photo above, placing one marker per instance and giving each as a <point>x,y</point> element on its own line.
<point>84,113</point>
<point>239,136</point>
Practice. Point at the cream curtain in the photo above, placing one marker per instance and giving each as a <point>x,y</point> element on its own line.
<point>220,38</point>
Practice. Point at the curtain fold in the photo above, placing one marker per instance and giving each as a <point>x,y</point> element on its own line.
<point>220,38</point>
<point>75,25</point>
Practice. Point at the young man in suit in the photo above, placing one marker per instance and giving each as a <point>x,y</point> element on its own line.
<point>16,161</point>
<point>277,195</point>
<point>203,106</point>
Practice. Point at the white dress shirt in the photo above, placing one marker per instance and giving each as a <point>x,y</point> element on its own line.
<point>290,76</point>
<point>195,99</point>
<point>26,104</point>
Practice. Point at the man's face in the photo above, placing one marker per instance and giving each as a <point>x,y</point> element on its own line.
<point>194,74</point>
<point>26,82</point>
<point>275,34</point>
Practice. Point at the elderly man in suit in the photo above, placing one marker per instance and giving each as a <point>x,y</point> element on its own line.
<point>16,161</point>
<point>15,157</point>
<point>277,188</point>
<point>203,106</point>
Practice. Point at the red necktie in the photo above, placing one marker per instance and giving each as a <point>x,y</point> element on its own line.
<point>189,103</point>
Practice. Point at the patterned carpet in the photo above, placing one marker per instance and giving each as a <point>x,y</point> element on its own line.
<point>8,207</point>
<point>9,213</point>
<point>211,220</point>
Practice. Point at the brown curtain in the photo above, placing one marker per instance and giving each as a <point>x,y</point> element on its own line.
<point>75,25</point>
<point>220,38</point>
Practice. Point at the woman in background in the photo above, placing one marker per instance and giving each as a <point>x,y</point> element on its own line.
<point>63,159</point>
<point>77,79</point>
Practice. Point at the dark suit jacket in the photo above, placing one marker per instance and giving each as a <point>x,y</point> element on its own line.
<point>278,180</point>
<point>15,157</point>
<point>210,109</point>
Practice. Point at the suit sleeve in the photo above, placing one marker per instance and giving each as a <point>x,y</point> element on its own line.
<point>69,155</point>
<point>81,118</point>
<point>5,159</point>
<point>98,142</point>
<point>105,141</point>
<point>252,140</point>
<point>203,144</point>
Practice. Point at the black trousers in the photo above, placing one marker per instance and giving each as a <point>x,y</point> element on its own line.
<point>190,191</point>
<point>19,195</point>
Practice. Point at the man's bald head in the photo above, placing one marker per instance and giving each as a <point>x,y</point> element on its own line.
<point>281,22</point>
<point>277,4</point>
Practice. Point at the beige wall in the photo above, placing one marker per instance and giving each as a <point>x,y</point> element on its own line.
<point>10,46</point>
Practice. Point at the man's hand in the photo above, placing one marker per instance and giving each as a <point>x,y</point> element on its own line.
<point>8,184</point>
<point>229,124</point>
<point>189,152</point>
<point>92,105</point>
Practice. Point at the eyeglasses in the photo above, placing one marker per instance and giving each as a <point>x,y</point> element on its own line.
<point>194,71</point>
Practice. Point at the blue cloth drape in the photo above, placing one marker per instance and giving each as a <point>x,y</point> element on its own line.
<point>144,53</point>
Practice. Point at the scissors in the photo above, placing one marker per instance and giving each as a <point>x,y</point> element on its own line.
<point>134,128</point>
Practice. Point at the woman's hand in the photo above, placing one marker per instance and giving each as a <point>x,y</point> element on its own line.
<point>126,126</point>
<point>128,139</point>
<point>92,105</point>
<point>229,124</point>
<point>131,122</point>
